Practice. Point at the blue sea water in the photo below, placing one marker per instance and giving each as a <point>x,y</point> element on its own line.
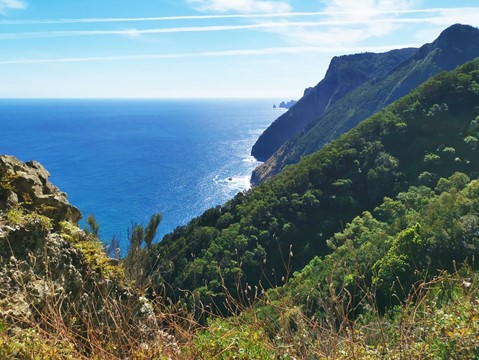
<point>123,160</point>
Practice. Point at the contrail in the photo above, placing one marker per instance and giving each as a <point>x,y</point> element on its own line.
<point>230,16</point>
<point>269,25</point>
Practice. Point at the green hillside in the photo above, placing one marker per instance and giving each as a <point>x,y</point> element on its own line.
<point>364,250</point>
<point>261,236</point>
<point>455,46</point>
<point>386,290</point>
<point>405,240</point>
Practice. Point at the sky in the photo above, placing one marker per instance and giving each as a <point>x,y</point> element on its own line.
<point>201,48</point>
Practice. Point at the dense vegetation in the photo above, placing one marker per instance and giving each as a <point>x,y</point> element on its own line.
<point>362,301</point>
<point>454,46</point>
<point>403,241</point>
<point>258,238</point>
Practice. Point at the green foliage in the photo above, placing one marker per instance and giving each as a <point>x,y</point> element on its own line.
<point>407,240</point>
<point>28,344</point>
<point>32,221</point>
<point>432,159</point>
<point>92,226</point>
<point>151,229</point>
<point>406,255</point>
<point>443,323</point>
<point>457,181</point>
<point>426,178</point>
<point>247,241</point>
<point>140,258</point>
<point>472,142</point>
<point>93,251</point>
<point>226,339</point>
<point>6,182</point>
<point>436,319</point>
<point>437,110</point>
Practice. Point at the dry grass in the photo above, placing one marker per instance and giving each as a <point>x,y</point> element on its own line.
<point>106,319</point>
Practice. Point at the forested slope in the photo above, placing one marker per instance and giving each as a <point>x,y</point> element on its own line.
<point>455,46</point>
<point>258,237</point>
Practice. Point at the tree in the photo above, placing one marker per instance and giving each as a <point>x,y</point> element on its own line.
<point>140,259</point>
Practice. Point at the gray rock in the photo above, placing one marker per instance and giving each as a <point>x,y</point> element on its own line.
<point>27,184</point>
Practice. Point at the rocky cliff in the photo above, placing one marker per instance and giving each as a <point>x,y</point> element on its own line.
<point>343,75</point>
<point>287,104</point>
<point>455,46</point>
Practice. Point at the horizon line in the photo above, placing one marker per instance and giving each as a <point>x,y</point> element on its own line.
<point>153,98</point>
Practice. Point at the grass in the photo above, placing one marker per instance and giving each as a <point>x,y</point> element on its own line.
<point>438,319</point>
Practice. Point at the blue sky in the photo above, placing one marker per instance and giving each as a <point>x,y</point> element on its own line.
<point>201,48</point>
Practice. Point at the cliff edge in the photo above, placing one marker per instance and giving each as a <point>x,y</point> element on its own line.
<point>344,74</point>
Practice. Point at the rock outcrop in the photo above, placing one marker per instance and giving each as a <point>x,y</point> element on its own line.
<point>27,184</point>
<point>287,104</point>
<point>44,255</point>
<point>57,279</point>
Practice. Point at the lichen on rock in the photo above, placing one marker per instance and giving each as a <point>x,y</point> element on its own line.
<point>27,184</point>
<point>55,278</point>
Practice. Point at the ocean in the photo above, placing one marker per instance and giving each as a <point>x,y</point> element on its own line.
<point>123,160</point>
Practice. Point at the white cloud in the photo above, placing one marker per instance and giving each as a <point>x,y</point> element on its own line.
<point>459,11</point>
<point>226,53</point>
<point>363,16</point>
<point>340,23</point>
<point>241,6</point>
<point>334,28</point>
<point>11,4</point>
<point>365,9</point>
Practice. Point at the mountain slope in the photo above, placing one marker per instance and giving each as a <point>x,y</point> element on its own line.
<point>455,45</point>
<point>258,237</point>
<point>344,74</point>
<point>389,273</point>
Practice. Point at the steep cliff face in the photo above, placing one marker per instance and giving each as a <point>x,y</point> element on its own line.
<point>455,45</point>
<point>343,75</point>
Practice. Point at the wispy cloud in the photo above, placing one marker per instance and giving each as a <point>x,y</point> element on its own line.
<point>227,53</point>
<point>366,9</point>
<point>359,22</point>
<point>353,21</point>
<point>292,28</point>
<point>451,11</point>
<point>11,4</point>
<point>241,6</point>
